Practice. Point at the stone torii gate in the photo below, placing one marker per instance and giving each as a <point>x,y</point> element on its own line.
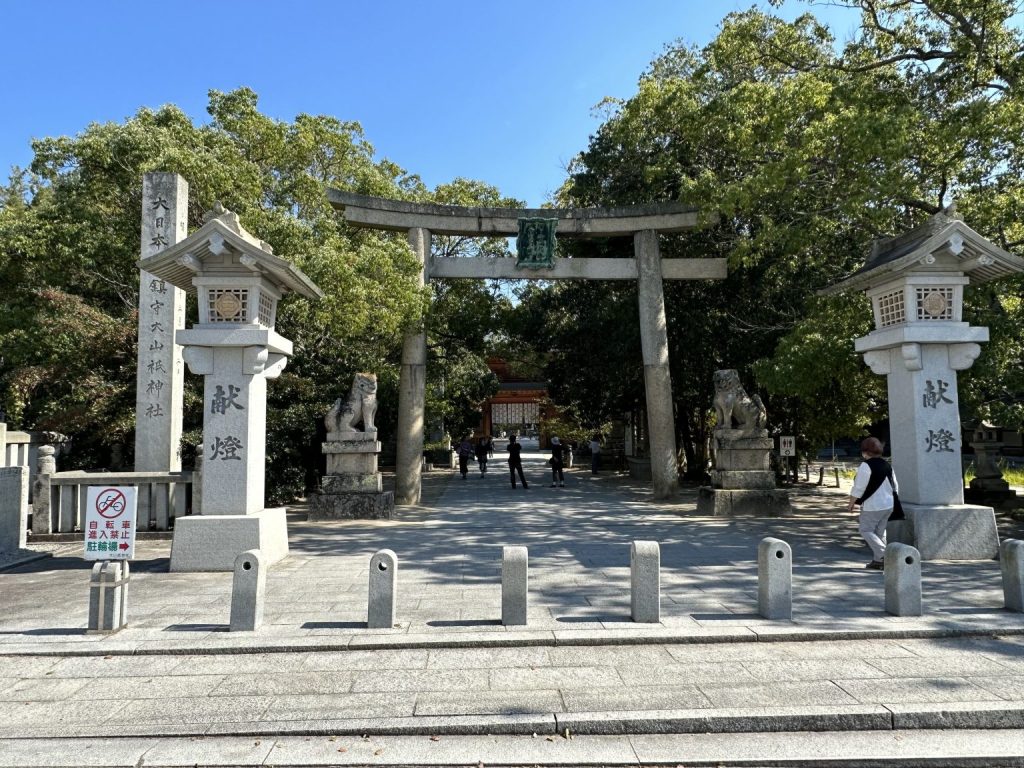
<point>642,222</point>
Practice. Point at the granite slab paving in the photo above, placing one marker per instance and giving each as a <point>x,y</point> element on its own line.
<point>449,665</point>
<point>865,749</point>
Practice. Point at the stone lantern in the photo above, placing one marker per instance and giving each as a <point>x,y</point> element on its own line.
<point>916,283</point>
<point>235,348</point>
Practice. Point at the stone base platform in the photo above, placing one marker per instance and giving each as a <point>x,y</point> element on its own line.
<point>722,502</point>
<point>954,532</point>
<point>212,542</point>
<point>352,506</point>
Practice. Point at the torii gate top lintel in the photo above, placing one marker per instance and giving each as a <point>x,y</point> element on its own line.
<point>383,213</point>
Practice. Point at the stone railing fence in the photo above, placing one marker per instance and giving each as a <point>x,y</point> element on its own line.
<point>59,501</point>
<point>21,449</point>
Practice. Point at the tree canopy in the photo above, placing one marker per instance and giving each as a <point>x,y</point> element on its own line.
<point>807,148</point>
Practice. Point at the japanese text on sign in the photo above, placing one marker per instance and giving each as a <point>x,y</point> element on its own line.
<point>110,522</point>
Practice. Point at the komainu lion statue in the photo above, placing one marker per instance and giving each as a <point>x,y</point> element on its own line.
<point>734,408</point>
<point>361,406</point>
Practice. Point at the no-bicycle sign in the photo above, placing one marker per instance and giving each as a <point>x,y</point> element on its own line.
<point>110,522</point>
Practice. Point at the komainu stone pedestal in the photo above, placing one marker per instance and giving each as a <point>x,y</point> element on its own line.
<point>742,482</point>
<point>352,487</point>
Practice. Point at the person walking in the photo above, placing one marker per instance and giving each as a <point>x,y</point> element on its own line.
<point>481,454</point>
<point>515,461</point>
<point>876,491</point>
<point>465,454</point>
<point>557,463</point>
<point>595,454</point>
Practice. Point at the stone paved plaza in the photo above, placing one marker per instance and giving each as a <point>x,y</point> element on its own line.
<point>451,671</point>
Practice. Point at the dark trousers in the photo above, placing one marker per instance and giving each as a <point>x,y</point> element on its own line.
<point>517,467</point>
<point>595,462</point>
<point>556,472</point>
<point>463,464</point>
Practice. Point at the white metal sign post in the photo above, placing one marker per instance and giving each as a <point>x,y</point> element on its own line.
<point>110,522</point>
<point>787,449</point>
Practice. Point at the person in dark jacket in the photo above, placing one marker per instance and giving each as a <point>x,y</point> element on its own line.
<point>515,461</point>
<point>481,454</point>
<point>465,454</point>
<point>557,463</point>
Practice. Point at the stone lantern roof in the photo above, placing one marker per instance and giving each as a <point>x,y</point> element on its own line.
<point>943,243</point>
<point>222,234</point>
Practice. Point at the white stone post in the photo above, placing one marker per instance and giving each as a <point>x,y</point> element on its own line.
<point>42,514</point>
<point>774,579</point>
<point>657,380</point>
<point>108,597</point>
<point>902,580</point>
<point>1011,567</point>
<point>515,581</point>
<point>248,590</point>
<point>412,394</point>
<point>159,379</point>
<point>645,581</point>
<point>382,597</point>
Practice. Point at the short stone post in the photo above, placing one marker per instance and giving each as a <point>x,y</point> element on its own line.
<point>774,579</point>
<point>380,608</point>
<point>46,466</point>
<point>247,591</point>
<point>645,581</point>
<point>902,580</point>
<point>13,508</point>
<point>514,585</point>
<point>108,597</point>
<point>1011,564</point>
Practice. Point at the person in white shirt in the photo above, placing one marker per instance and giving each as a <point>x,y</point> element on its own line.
<point>873,488</point>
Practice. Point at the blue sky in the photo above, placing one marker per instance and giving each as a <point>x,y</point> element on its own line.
<point>500,92</point>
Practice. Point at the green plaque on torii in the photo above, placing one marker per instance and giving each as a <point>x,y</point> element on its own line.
<point>535,244</point>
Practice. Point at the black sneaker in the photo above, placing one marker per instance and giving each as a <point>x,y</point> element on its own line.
<point>875,565</point>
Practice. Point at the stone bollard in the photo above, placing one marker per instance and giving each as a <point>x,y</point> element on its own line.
<point>46,465</point>
<point>247,591</point>
<point>1011,564</point>
<point>514,585</point>
<point>902,580</point>
<point>108,597</point>
<point>380,609</point>
<point>13,508</point>
<point>774,579</point>
<point>645,581</point>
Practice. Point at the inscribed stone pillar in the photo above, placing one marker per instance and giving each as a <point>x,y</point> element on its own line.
<point>412,394</point>
<point>925,416</point>
<point>657,381</point>
<point>234,425</point>
<point>160,371</point>
<point>13,508</point>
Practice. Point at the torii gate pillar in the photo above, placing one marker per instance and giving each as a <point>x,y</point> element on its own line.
<point>657,380</point>
<point>412,393</point>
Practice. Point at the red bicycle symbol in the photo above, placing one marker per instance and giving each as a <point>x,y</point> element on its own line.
<point>110,503</point>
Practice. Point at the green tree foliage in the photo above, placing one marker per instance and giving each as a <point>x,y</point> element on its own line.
<point>69,240</point>
<point>807,150</point>
<point>464,320</point>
